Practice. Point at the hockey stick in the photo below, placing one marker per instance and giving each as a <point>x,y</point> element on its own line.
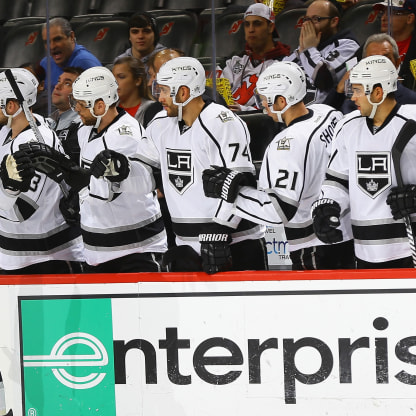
<point>28,114</point>
<point>405,134</point>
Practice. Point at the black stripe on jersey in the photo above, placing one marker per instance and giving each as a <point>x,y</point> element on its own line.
<point>26,210</point>
<point>23,245</point>
<point>298,233</point>
<point>380,231</point>
<point>123,238</point>
<point>342,182</point>
<point>194,229</point>
<point>213,139</point>
<point>288,210</point>
<point>308,57</point>
<point>308,145</point>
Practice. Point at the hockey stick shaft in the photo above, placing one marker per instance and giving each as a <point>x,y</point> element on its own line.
<point>406,133</point>
<point>28,114</point>
<point>23,103</point>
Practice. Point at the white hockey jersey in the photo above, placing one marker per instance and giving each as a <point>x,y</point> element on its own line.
<point>32,228</point>
<point>118,219</point>
<point>217,137</point>
<point>360,176</point>
<point>291,177</point>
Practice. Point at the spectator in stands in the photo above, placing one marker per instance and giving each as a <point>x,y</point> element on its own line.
<point>261,51</point>
<point>158,59</point>
<point>377,44</point>
<point>41,105</point>
<point>323,50</point>
<point>64,50</point>
<point>134,95</point>
<point>64,120</point>
<point>143,37</point>
<point>402,25</point>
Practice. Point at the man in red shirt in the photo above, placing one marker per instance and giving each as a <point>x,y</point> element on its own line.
<point>402,25</point>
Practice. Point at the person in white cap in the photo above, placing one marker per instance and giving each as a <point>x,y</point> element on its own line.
<point>261,50</point>
<point>402,25</point>
<point>323,50</point>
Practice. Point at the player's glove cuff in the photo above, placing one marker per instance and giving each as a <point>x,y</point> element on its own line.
<point>402,201</point>
<point>221,182</point>
<point>325,215</point>
<point>215,249</point>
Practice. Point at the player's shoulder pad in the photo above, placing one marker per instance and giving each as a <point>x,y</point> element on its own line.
<point>161,116</point>
<point>407,110</point>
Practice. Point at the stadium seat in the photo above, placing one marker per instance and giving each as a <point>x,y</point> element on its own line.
<point>14,9</point>
<point>105,39</point>
<point>60,8</point>
<point>126,7</point>
<point>262,130</point>
<point>362,20</point>
<point>288,23</point>
<point>178,29</point>
<point>192,4</point>
<point>22,44</point>
<point>229,34</point>
<point>244,3</point>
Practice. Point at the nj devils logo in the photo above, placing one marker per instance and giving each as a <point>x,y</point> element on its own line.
<point>373,172</point>
<point>101,34</point>
<point>235,26</point>
<point>180,171</point>
<point>31,38</point>
<point>167,27</point>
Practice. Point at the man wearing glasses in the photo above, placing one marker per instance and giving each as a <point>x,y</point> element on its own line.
<point>402,25</point>
<point>322,50</point>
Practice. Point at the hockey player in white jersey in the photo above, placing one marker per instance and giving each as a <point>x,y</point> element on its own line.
<point>291,174</point>
<point>34,237</point>
<point>185,138</point>
<point>121,223</point>
<point>360,175</point>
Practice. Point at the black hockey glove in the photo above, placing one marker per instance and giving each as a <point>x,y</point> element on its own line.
<point>215,250</point>
<point>220,182</point>
<point>113,165</point>
<point>55,165</point>
<point>325,215</point>
<point>402,201</point>
<point>16,173</point>
<point>69,206</point>
<point>182,259</point>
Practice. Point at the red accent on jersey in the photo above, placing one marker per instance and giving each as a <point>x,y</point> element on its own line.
<point>244,93</point>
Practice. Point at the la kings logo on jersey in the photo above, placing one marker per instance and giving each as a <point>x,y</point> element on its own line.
<point>373,172</point>
<point>180,172</point>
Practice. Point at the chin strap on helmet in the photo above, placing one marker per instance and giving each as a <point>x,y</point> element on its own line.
<point>98,121</point>
<point>11,117</point>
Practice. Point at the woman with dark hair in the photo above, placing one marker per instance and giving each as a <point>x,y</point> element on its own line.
<point>134,96</point>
